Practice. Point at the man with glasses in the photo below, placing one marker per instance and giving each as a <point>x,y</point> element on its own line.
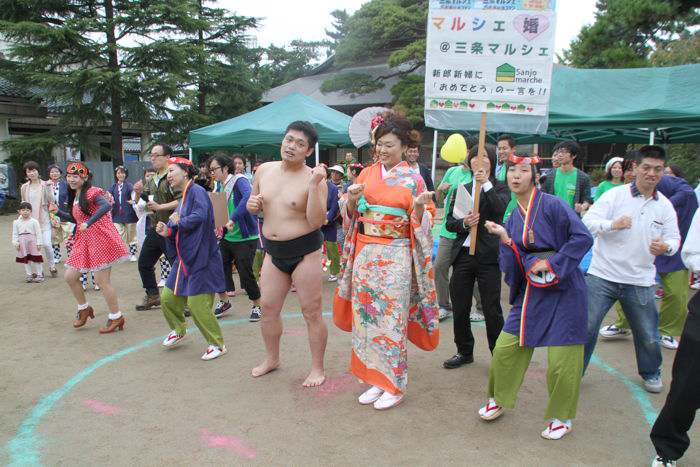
<point>632,225</point>
<point>161,201</point>
<point>566,181</point>
<point>293,198</point>
<point>241,236</point>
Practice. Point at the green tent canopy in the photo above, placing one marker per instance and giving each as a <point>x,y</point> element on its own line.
<point>623,105</point>
<point>261,130</point>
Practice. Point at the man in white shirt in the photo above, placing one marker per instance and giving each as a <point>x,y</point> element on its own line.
<point>670,432</point>
<point>632,225</point>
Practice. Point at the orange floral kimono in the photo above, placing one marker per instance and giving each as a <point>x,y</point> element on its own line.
<point>386,290</point>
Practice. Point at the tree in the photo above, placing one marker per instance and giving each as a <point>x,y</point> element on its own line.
<point>340,27</point>
<point>220,81</point>
<point>281,65</point>
<point>397,26</point>
<point>626,32</point>
<point>99,62</point>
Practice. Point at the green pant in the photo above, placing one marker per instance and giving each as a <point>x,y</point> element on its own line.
<point>673,306</point>
<point>201,308</point>
<point>333,256</point>
<point>257,263</point>
<point>564,369</point>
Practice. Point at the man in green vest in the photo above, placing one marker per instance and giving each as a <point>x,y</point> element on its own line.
<point>566,181</point>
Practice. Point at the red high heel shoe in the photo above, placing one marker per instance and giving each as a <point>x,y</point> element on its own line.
<point>83,316</point>
<point>112,325</point>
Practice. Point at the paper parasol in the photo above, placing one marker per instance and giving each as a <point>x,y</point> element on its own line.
<point>359,129</point>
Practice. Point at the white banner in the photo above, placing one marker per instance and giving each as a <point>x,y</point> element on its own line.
<point>490,56</point>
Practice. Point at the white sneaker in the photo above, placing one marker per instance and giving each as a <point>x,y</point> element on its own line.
<point>96,287</point>
<point>491,410</point>
<point>161,283</point>
<point>556,429</point>
<point>475,316</point>
<point>611,332</point>
<point>669,342</point>
<point>661,462</point>
<point>694,286</point>
<point>443,313</point>
<point>370,396</point>
<point>213,351</point>
<point>654,385</point>
<point>387,401</point>
<point>332,278</point>
<point>172,339</point>
<point>133,258</point>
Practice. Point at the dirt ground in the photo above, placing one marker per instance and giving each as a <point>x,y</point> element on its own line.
<point>74,397</point>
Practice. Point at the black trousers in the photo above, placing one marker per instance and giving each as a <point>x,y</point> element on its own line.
<point>465,270</point>
<point>242,254</point>
<point>670,432</point>
<point>151,250</point>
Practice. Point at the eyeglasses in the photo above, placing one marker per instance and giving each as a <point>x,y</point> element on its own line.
<point>212,170</point>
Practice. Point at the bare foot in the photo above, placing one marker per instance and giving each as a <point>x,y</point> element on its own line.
<point>315,378</point>
<point>264,368</point>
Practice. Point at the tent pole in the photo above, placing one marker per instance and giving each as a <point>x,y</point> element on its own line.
<point>190,153</point>
<point>432,170</point>
<point>651,137</point>
<point>317,156</point>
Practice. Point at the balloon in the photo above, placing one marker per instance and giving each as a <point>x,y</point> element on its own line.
<point>454,150</point>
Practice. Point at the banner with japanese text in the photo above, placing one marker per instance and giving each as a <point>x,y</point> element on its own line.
<point>490,56</point>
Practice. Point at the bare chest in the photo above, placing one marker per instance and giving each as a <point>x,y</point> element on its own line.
<point>285,193</point>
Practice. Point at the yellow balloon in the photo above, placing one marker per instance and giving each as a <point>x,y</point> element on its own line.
<point>454,150</point>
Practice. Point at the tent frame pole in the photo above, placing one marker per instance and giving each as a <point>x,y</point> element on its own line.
<point>434,160</point>
<point>317,155</point>
<point>651,136</point>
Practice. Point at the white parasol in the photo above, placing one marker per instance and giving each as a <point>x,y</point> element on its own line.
<point>359,128</point>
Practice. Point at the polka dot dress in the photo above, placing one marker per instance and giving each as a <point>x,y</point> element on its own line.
<point>98,247</point>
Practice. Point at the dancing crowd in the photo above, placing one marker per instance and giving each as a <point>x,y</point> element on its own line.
<point>566,255</point>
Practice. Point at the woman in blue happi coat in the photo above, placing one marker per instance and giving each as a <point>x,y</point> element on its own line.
<point>197,272</point>
<point>542,245</point>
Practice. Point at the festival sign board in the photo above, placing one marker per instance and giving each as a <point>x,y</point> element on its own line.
<point>492,56</point>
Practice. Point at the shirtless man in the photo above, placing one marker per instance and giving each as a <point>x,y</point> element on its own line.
<point>293,197</point>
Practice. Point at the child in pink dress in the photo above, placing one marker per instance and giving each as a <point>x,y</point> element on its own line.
<point>26,238</point>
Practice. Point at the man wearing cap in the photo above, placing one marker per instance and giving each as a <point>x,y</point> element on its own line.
<point>161,200</point>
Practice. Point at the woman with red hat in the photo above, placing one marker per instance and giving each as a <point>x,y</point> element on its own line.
<point>97,245</point>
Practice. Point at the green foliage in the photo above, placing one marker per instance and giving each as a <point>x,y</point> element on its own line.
<point>352,83</point>
<point>626,32</point>
<point>377,28</point>
<point>340,26</point>
<point>36,149</point>
<point>687,156</point>
<point>282,65</point>
<point>381,25</point>
<point>596,176</point>
<point>679,52</point>
<point>408,98</point>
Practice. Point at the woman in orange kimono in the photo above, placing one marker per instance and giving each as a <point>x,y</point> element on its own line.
<point>386,292</point>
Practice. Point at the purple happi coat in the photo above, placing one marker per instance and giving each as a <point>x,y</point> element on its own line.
<point>192,247</point>
<point>550,309</point>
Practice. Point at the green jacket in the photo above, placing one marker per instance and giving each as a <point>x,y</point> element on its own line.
<point>162,194</point>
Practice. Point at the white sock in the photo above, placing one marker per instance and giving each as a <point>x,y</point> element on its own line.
<point>39,269</point>
<point>28,268</point>
<point>84,306</point>
<point>114,316</point>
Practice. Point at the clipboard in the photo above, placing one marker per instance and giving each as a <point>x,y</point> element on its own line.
<point>220,205</point>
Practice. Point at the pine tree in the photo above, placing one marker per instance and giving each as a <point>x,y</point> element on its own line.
<point>99,62</point>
